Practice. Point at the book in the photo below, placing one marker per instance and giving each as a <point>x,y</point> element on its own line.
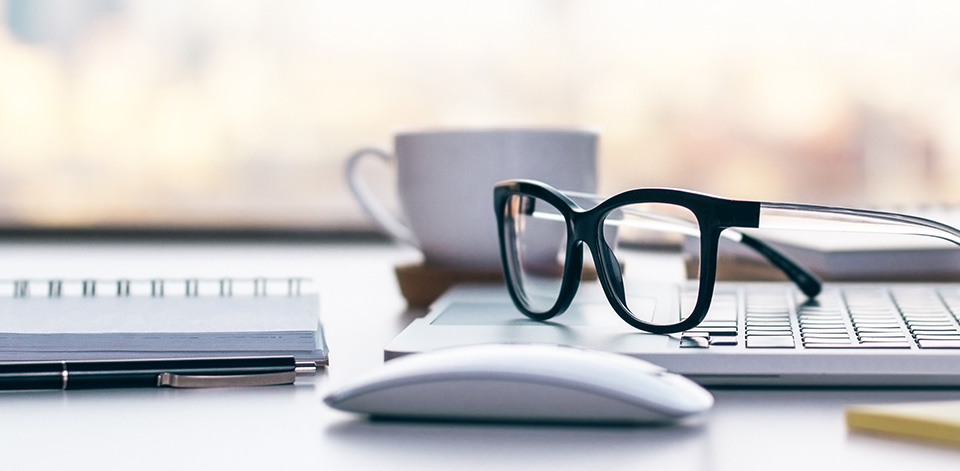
<point>159,318</point>
<point>937,422</point>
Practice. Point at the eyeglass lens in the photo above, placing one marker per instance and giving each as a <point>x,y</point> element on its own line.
<point>633,230</point>
<point>537,235</point>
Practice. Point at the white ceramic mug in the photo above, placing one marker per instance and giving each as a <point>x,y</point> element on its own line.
<point>445,184</point>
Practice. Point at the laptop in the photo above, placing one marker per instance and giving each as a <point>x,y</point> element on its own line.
<point>756,333</point>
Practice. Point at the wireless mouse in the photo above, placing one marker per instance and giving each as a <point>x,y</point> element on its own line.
<point>528,383</point>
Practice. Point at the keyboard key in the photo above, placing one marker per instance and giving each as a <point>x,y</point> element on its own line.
<point>879,324</point>
<point>937,337</point>
<point>819,312</point>
<point>932,343</point>
<point>836,341</point>
<point>831,345</point>
<point>872,344</point>
<point>828,319</point>
<point>820,315</point>
<point>935,332</point>
<point>776,323</point>
<point>778,326</point>
<point>777,318</point>
<point>831,321</point>
<point>824,330</point>
<point>944,326</point>
<point>769,333</point>
<point>882,335</point>
<point>878,330</point>
<point>688,341</point>
<point>717,328</point>
<point>712,323</point>
<point>927,315</point>
<point>944,318</point>
<point>770,341</point>
<point>825,335</point>
<point>754,309</point>
<point>712,332</point>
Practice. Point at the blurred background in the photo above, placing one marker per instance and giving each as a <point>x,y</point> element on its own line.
<point>225,114</point>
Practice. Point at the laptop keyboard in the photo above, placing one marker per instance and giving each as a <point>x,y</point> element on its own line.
<point>910,317</point>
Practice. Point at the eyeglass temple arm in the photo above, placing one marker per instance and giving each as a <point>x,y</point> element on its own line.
<point>808,283</point>
<point>799,217</point>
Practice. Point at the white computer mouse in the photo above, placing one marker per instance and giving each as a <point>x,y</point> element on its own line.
<point>512,382</point>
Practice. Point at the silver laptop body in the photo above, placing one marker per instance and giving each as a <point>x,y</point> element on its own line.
<point>865,334</point>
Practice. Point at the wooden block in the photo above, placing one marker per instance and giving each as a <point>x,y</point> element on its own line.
<point>422,284</point>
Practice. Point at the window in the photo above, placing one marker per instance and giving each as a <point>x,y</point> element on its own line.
<point>218,114</point>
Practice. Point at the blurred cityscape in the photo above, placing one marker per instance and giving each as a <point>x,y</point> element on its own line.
<point>215,113</point>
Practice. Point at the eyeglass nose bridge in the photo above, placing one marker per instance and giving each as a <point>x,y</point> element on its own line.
<point>581,224</point>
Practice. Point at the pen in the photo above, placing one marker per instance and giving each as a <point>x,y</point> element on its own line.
<point>176,373</point>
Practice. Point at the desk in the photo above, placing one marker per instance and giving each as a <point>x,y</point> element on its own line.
<point>287,428</point>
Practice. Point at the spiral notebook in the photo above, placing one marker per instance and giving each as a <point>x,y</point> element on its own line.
<point>159,318</point>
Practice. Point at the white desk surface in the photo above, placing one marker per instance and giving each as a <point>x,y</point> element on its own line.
<point>287,427</point>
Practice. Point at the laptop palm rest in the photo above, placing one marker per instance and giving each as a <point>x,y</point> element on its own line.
<point>488,316</point>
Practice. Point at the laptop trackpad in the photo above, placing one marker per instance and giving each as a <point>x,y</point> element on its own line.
<point>592,325</point>
<point>503,313</point>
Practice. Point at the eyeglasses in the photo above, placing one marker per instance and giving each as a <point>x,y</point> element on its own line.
<point>543,231</point>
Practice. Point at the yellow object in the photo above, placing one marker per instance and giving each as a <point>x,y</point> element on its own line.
<point>928,421</point>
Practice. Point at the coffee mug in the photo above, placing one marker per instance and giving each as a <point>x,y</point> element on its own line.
<point>445,183</point>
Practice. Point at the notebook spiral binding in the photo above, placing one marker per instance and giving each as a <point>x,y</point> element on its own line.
<point>157,287</point>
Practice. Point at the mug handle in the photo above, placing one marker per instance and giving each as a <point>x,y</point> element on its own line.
<point>389,222</point>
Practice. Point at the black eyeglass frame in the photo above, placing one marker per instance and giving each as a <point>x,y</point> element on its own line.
<point>585,226</point>
<point>714,215</point>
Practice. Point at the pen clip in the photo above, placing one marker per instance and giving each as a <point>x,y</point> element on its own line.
<point>174,380</point>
